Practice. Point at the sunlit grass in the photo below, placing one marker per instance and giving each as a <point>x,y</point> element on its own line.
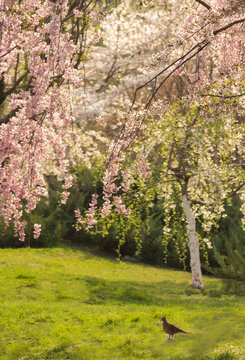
<point>71,304</point>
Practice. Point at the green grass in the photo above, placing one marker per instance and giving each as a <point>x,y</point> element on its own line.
<point>71,304</point>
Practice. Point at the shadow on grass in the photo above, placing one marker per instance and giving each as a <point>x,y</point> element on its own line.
<point>222,356</point>
<point>122,291</point>
<point>101,291</point>
<point>60,351</point>
<point>83,252</point>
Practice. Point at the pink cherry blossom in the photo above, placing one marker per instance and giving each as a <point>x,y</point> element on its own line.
<point>38,63</point>
<point>37,231</point>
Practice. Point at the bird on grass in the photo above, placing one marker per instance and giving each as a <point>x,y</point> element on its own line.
<point>170,329</point>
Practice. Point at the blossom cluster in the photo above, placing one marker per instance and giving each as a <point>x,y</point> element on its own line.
<point>38,71</point>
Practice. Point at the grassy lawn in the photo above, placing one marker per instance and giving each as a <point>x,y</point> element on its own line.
<point>71,304</point>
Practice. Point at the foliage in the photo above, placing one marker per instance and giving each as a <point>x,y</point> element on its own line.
<point>56,219</point>
<point>193,133</point>
<point>139,236</point>
<point>6,236</point>
<point>196,132</point>
<point>42,49</point>
<point>195,162</point>
<point>229,249</point>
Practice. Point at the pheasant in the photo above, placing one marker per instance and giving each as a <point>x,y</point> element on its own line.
<point>170,329</point>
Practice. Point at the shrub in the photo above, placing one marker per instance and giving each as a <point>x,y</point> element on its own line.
<point>228,255</point>
<point>140,234</point>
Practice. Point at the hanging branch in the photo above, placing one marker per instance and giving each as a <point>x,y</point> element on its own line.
<point>164,70</point>
<point>173,71</point>
<point>182,59</point>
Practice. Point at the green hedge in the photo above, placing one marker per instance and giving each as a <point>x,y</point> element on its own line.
<point>140,234</point>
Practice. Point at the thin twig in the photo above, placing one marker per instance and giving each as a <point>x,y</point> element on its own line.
<point>239,21</point>
<point>173,71</point>
<point>1,56</point>
<point>224,96</point>
<point>183,60</point>
<point>162,71</point>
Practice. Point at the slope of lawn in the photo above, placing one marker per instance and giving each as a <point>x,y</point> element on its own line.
<point>70,304</point>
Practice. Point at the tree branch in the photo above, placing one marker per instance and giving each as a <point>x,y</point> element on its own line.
<point>204,4</point>
<point>224,96</point>
<point>198,202</point>
<point>6,118</point>
<point>13,88</point>
<point>170,156</point>
<point>183,59</point>
<point>239,21</point>
<point>162,71</point>
<point>200,48</point>
<point>234,192</point>
<point>1,56</point>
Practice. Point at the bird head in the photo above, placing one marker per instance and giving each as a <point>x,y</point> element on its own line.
<point>163,319</point>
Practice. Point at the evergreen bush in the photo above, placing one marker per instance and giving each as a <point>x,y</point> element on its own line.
<point>140,234</point>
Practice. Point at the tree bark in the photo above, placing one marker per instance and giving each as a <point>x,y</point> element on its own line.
<point>193,244</point>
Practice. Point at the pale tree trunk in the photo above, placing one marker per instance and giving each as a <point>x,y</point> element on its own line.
<point>193,244</point>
